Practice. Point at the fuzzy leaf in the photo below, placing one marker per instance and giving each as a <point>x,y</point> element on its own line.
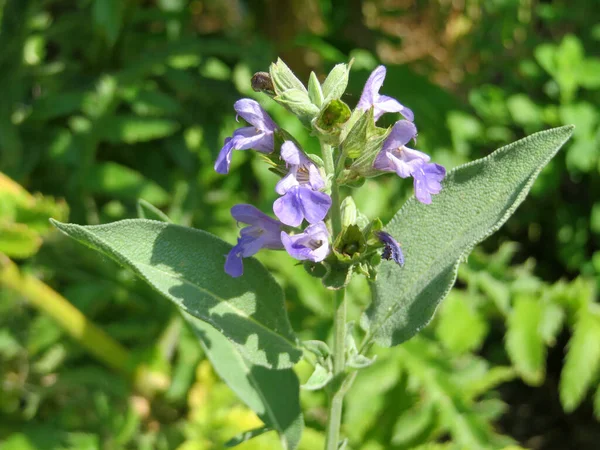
<point>284,79</point>
<point>582,360</point>
<point>475,201</point>
<point>186,266</point>
<point>274,395</point>
<point>363,141</point>
<point>298,103</point>
<point>314,90</point>
<point>335,83</point>
<point>319,378</point>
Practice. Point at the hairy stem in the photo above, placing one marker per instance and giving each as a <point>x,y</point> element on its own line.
<point>335,212</point>
<point>339,350</point>
<point>334,420</point>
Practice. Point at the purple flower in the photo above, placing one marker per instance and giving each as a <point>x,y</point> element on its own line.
<point>301,198</point>
<point>406,162</point>
<point>263,232</point>
<point>259,136</point>
<point>428,179</point>
<point>311,244</point>
<point>392,249</point>
<point>382,103</point>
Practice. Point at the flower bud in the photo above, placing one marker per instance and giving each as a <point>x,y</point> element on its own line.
<point>349,212</point>
<point>314,90</point>
<point>291,93</point>
<point>336,82</point>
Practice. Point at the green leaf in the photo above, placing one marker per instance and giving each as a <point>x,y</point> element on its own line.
<point>317,348</point>
<point>551,322</point>
<point>118,181</point>
<point>319,378</point>
<point>584,114</point>
<point>274,395</point>
<point>186,266</point>
<point>524,111</point>
<point>314,90</point>
<point>146,210</point>
<point>364,141</point>
<point>108,17</point>
<point>413,423</point>
<point>498,291</point>
<point>461,327</point>
<point>298,103</point>
<point>245,436</point>
<point>524,341</point>
<point>429,373</point>
<point>354,360</point>
<point>132,129</point>
<point>284,79</point>
<point>366,401</point>
<point>582,360</point>
<point>335,83</point>
<point>589,75</point>
<point>494,377</point>
<point>475,201</point>
<point>18,240</point>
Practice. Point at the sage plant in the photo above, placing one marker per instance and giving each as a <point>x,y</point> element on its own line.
<point>235,306</point>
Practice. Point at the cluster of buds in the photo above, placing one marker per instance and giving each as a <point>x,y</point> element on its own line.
<point>304,205</point>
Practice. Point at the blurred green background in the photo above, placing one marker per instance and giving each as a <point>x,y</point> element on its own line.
<point>103,102</point>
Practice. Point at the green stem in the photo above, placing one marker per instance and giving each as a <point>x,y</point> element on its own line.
<point>334,420</point>
<point>339,352</point>
<point>335,211</point>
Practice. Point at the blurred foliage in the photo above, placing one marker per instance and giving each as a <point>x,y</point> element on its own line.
<point>106,101</point>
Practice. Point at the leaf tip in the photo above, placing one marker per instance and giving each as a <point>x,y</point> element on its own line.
<point>55,223</point>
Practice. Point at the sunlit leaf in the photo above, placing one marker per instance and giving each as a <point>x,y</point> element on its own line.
<point>475,201</point>
<point>186,266</point>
